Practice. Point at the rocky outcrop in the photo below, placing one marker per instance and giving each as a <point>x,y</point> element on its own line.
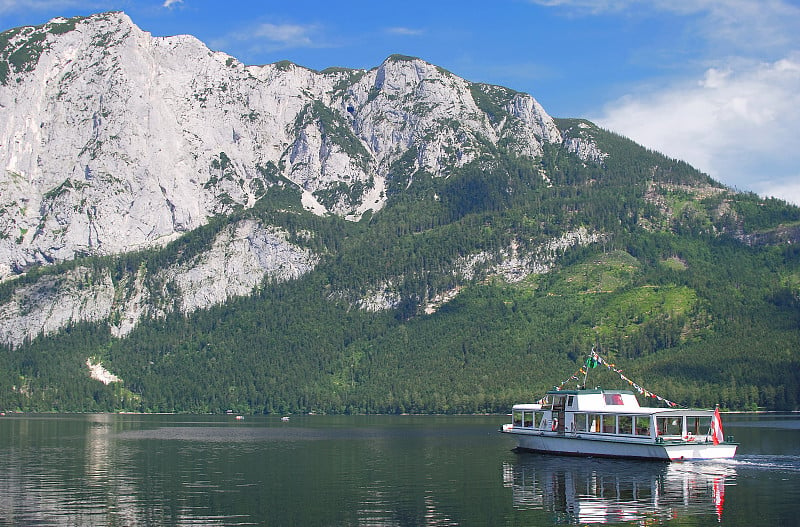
<point>52,303</point>
<point>511,264</point>
<point>781,235</point>
<point>241,257</point>
<point>578,140</point>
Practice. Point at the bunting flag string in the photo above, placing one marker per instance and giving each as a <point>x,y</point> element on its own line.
<point>595,360</point>
<point>573,377</point>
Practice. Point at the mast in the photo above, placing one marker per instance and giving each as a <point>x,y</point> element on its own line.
<point>591,362</point>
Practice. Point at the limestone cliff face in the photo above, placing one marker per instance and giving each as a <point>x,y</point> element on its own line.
<point>241,255</point>
<point>53,303</point>
<point>113,140</point>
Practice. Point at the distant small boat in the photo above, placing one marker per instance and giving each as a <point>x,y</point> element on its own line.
<point>610,423</point>
<point>240,418</point>
<point>284,418</point>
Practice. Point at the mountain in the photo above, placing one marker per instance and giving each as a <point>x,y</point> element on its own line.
<point>120,141</point>
<point>274,238</point>
<point>116,140</point>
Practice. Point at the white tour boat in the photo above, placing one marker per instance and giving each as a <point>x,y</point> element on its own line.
<point>610,423</point>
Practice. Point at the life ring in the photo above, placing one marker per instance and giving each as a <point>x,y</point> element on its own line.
<point>555,425</point>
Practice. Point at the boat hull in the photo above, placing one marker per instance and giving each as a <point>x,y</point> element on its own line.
<point>586,445</point>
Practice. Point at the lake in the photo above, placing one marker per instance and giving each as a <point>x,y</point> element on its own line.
<point>132,470</point>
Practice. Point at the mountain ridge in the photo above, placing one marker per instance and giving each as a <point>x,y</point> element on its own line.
<point>224,131</point>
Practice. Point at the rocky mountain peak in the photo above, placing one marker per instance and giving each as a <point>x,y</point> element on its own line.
<point>115,140</point>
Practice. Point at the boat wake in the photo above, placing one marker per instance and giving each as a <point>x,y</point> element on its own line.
<point>765,462</point>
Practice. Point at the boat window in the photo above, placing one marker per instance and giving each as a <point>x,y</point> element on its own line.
<point>516,418</point>
<point>698,426</point>
<point>527,419</point>
<point>570,400</point>
<point>642,425</point>
<point>594,422</point>
<point>625,423</point>
<point>579,422</point>
<point>609,424</point>
<point>613,399</point>
<point>669,426</point>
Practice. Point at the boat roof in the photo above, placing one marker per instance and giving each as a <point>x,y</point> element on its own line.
<point>582,391</point>
<point>622,402</point>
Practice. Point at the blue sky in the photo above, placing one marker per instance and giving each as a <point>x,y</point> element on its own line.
<point>713,82</point>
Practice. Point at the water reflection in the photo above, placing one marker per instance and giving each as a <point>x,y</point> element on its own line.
<point>97,446</point>
<point>586,490</point>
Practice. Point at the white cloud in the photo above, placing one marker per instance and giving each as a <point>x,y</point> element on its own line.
<point>745,25</point>
<point>788,189</point>
<point>739,124</point>
<point>286,35</point>
<point>737,120</point>
<point>259,39</point>
<point>169,3</point>
<point>740,27</point>
<point>590,6</point>
<point>405,31</point>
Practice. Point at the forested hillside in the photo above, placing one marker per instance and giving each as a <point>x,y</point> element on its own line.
<point>692,289</point>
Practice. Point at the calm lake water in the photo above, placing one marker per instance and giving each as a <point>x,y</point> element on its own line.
<point>132,470</point>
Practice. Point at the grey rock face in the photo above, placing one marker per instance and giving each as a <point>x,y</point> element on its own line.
<point>115,140</point>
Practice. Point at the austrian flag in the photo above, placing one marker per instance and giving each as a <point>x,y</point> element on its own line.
<point>716,428</point>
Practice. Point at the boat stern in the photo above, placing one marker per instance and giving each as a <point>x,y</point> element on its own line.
<point>689,451</point>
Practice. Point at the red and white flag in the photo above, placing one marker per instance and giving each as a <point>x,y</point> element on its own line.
<point>716,428</point>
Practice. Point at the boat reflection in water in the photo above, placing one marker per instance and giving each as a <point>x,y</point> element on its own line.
<point>590,490</point>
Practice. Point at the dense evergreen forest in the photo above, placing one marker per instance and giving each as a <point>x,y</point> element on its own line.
<point>686,290</point>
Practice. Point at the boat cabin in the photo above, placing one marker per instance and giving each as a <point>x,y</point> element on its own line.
<point>610,412</point>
